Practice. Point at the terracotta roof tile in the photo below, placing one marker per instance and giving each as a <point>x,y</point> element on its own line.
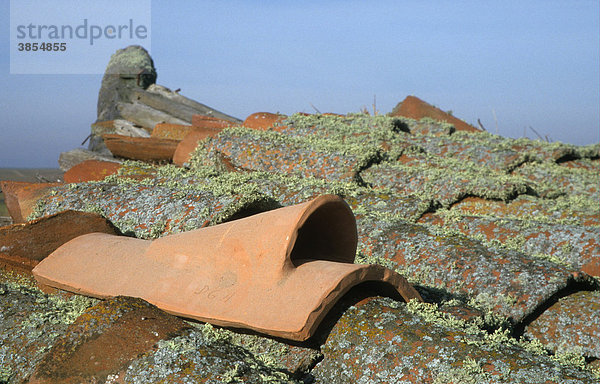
<point>274,152</point>
<point>442,185</point>
<point>571,325</point>
<point>563,209</point>
<point>489,207</point>
<point>587,164</point>
<point>30,323</point>
<point>382,341</point>
<point>564,180</point>
<point>148,211</point>
<point>506,282</point>
<point>104,339</point>
<point>573,245</point>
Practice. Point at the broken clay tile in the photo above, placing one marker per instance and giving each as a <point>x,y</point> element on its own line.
<point>21,197</point>
<point>575,245</point>
<point>171,131</point>
<point>91,170</point>
<point>276,272</point>
<point>28,243</point>
<point>415,108</point>
<point>381,341</point>
<point>263,121</point>
<point>508,283</point>
<point>104,339</point>
<point>209,122</point>
<point>188,145</point>
<point>141,148</point>
<point>570,325</point>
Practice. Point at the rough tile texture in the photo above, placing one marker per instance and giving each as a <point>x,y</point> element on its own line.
<point>200,357</point>
<point>441,185</point>
<point>506,282</point>
<point>104,339</point>
<point>30,322</point>
<point>271,151</point>
<point>416,108</point>
<point>49,232</point>
<point>496,232</point>
<point>150,208</point>
<point>382,341</point>
<point>573,245</point>
<point>561,210</point>
<point>570,325</point>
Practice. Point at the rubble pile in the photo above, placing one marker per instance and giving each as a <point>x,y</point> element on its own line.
<point>499,236</point>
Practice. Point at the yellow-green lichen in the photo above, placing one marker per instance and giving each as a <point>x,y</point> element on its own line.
<point>269,356</point>
<point>263,363</point>
<point>513,242</point>
<point>469,371</point>
<point>6,373</point>
<point>64,311</point>
<point>499,337</point>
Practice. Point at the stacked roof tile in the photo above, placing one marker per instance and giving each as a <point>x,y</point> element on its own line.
<point>499,236</point>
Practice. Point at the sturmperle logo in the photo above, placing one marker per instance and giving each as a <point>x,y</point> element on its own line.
<point>74,36</point>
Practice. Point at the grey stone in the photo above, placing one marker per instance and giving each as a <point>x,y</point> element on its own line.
<point>71,158</point>
<point>128,69</point>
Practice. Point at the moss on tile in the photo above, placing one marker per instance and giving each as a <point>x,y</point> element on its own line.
<point>383,340</point>
<point>477,164</point>
<point>204,355</point>
<point>445,180</point>
<point>500,337</point>
<point>354,129</point>
<point>469,371</point>
<point>554,180</point>
<point>30,323</point>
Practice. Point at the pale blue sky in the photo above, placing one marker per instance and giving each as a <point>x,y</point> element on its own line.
<point>533,63</point>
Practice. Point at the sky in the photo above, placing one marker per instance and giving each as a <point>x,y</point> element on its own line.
<point>511,64</point>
